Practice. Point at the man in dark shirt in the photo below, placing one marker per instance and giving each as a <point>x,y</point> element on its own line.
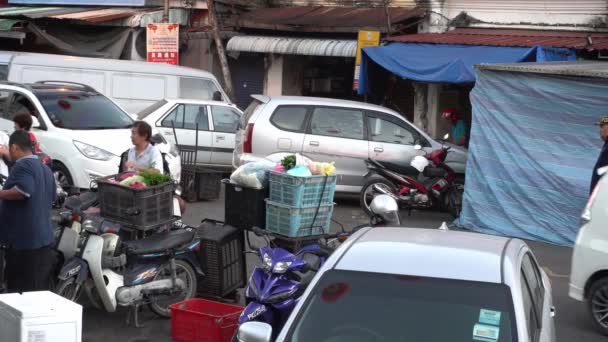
<point>602,161</point>
<point>25,218</point>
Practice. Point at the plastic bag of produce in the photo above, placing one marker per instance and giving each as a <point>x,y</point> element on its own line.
<point>252,175</point>
<point>300,171</point>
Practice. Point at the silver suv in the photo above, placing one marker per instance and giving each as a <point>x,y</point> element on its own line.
<point>327,130</point>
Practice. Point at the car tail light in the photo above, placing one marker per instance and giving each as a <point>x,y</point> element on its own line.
<point>587,212</point>
<point>248,142</point>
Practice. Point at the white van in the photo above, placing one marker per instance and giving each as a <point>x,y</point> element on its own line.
<point>133,85</point>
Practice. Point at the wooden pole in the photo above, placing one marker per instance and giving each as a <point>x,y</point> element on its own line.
<point>220,48</point>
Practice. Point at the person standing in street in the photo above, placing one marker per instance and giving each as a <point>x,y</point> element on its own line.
<point>25,218</point>
<point>602,160</point>
<point>459,127</point>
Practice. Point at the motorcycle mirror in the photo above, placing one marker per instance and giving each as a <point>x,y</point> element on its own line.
<point>418,147</point>
<point>90,226</point>
<point>254,332</point>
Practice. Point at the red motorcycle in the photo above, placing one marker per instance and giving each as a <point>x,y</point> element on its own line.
<point>438,189</point>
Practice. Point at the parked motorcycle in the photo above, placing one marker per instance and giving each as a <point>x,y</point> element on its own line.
<point>275,288</point>
<point>157,271</point>
<point>440,188</point>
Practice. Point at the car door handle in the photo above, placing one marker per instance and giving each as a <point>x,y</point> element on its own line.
<point>378,149</point>
<point>219,138</point>
<point>168,133</point>
<point>314,143</point>
<point>552,311</point>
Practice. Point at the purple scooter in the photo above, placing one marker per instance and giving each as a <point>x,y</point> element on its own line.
<point>275,288</point>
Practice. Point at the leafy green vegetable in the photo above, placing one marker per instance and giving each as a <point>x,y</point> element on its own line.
<point>132,179</point>
<point>289,162</point>
<point>151,178</point>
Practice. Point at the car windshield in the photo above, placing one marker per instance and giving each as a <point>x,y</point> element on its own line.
<point>348,306</point>
<point>151,109</point>
<point>82,110</point>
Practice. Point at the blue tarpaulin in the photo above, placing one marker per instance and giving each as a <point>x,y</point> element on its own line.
<point>448,63</point>
<point>532,150</point>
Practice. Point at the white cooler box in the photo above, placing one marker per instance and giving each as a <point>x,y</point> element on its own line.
<point>39,317</point>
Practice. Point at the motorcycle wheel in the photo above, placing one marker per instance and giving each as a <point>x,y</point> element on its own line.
<point>368,193</point>
<point>68,289</point>
<point>184,271</point>
<point>454,201</point>
<point>235,337</point>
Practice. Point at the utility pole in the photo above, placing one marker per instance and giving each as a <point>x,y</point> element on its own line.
<point>166,11</point>
<point>220,48</point>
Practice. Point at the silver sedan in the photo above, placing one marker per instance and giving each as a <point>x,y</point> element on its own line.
<point>406,284</point>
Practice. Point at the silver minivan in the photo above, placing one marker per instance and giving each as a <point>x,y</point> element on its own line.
<point>326,130</point>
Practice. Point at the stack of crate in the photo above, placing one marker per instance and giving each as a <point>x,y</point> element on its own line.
<point>300,206</point>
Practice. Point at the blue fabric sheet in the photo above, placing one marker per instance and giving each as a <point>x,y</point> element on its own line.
<point>532,150</point>
<point>448,63</point>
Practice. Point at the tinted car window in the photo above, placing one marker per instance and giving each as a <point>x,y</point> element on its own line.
<point>389,132</point>
<point>533,277</point>
<point>4,98</point>
<point>83,110</point>
<point>3,72</point>
<point>289,118</point>
<point>151,109</point>
<point>196,88</point>
<point>404,308</point>
<point>531,318</point>
<point>337,122</point>
<point>188,117</point>
<point>225,119</point>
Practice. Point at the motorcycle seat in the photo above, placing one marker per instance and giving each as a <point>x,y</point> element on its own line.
<point>159,242</point>
<point>312,260</point>
<point>81,202</point>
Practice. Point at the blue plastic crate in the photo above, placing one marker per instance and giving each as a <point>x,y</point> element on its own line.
<point>302,192</point>
<point>297,222</point>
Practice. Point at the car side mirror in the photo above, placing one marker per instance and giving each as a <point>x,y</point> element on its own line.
<point>254,332</point>
<point>418,147</point>
<point>35,122</point>
<point>217,96</point>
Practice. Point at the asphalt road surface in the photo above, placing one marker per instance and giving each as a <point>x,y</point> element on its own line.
<point>572,321</point>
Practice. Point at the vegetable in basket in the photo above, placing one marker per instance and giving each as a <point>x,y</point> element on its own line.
<point>289,162</point>
<point>152,178</point>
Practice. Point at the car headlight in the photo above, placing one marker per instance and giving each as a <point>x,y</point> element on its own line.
<point>92,152</point>
<point>267,260</point>
<point>281,267</point>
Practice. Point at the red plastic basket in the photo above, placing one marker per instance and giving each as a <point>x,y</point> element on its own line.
<point>200,320</point>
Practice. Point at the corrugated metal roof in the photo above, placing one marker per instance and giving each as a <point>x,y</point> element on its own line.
<point>119,16</point>
<point>579,68</point>
<point>320,18</point>
<point>293,46</point>
<point>502,37</point>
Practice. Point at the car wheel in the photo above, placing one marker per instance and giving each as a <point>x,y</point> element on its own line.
<point>598,305</point>
<point>62,175</point>
<point>368,192</point>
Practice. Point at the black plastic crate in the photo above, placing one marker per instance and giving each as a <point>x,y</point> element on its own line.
<point>140,209</point>
<point>209,184</point>
<point>188,183</point>
<point>222,258</point>
<point>244,207</point>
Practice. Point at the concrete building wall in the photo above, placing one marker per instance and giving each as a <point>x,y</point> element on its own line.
<point>273,82</point>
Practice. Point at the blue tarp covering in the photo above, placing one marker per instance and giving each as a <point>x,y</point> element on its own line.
<point>448,63</point>
<point>532,150</point>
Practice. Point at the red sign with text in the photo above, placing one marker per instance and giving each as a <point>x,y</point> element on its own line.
<point>163,43</point>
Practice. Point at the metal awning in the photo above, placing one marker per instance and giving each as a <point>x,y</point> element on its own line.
<point>114,16</point>
<point>294,46</point>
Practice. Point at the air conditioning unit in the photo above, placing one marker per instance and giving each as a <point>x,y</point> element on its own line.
<point>136,48</point>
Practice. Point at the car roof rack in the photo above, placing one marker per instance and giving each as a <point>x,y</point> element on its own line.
<point>87,87</point>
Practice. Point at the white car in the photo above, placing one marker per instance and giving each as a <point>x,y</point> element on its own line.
<point>216,122</point>
<point>82,130</point>
<point>589,273</point>
<point>407,284</point>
